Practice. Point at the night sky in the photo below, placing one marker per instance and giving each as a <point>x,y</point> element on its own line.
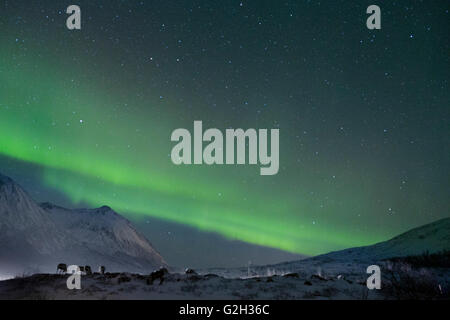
<point>364,119</point>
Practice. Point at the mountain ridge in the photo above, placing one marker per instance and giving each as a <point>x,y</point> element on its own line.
<point>35,237</point>
<point>432,238</point>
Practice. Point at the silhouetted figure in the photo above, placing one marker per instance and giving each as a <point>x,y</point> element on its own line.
<point>190,271</point>
<point>61,268</point>
<point>88,270</point>
<point>102,269</point>
<point>157,275</point>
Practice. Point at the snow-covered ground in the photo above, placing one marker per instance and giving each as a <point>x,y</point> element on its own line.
<point>182,286</point>
<point>314,281</point>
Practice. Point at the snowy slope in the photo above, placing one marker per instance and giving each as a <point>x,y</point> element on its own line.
<point>36,237</point>
<point>433,237</point>
<point>20,215</point>
<point>106,233</point>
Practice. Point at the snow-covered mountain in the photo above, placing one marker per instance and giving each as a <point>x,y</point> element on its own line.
<point>36,237</point>
<point>431,238</point>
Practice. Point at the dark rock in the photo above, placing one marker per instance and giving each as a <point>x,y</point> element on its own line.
<point>291,275</point>
<point>195,277</point>
<point>123,278</point>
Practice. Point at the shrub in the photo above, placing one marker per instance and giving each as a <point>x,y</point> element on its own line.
<point>405,282</point>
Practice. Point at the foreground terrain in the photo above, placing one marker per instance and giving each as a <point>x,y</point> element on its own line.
<point>414,277</point>
<point>184,286</point>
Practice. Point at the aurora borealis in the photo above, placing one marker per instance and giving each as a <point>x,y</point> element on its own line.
<point>363,114</point>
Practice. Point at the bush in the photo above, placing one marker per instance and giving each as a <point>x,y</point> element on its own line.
<point>404,282</point>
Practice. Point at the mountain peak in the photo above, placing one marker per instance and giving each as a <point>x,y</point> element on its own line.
<point>104,208</point>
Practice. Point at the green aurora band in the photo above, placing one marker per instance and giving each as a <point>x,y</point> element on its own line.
<point>95,158</point>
